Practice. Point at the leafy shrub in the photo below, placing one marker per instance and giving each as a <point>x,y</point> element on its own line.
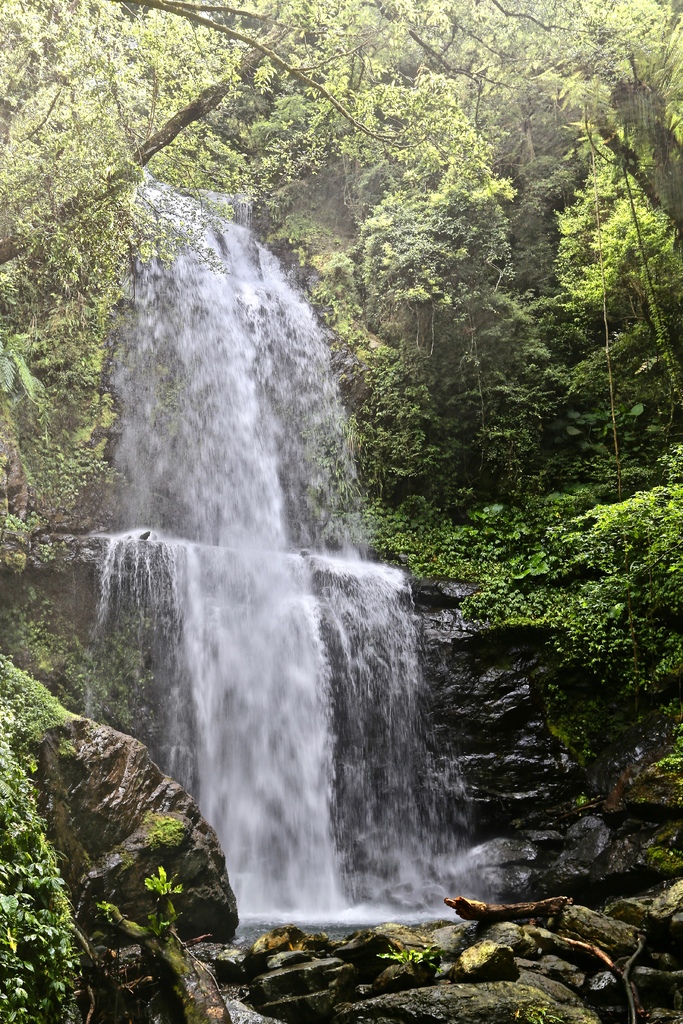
<point>32,707</point>
<point>37,961</point>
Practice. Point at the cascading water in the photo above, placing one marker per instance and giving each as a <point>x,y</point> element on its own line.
<point>292,700</point>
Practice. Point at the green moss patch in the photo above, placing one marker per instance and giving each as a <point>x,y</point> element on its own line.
<point>164,830</point>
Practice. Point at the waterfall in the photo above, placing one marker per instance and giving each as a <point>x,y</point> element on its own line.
<point>287,691</point>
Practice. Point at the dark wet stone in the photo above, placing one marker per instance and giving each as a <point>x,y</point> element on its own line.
<point>584,842</point>
<point>616,937</point>
<point>438,593</point>
<point>631,910</point>
<point>656,987</point>
<point>289,958</point>
<point>300,979</point>
<point>511,763</point>
<point>603,991</point>
<point>555,968</point>
<point>365,949</point>
<point>555,989</point>
<point>501,1002</point>
<point>278,940</point>
<point>229,967</point>
<point>663,908</point>
<point>304,993</point>
<point>455,938</point>
<point>638,747</point>
<point>241,1014</point>
<point>400,977</point>
<point>656,794</point>
<point>507,933</point>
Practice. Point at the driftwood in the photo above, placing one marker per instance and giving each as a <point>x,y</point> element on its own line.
<point>473,910</point>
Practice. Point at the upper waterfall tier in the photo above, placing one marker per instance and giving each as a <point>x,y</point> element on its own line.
<point>232,427</point>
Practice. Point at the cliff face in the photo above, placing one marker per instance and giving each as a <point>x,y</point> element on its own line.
<point>115,817</point>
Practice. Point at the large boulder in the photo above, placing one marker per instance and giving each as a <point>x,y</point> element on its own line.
<point>584,842</point>
<point>115,817</point>
<point>499,1002</point>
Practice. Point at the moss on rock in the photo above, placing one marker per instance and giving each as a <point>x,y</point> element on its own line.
<point>164,830</point>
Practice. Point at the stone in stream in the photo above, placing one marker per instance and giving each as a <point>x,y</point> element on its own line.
<point>401,976</point>
<point>284,939</point>
<point>555,968</point>
<point>305,993</point>
<point>615,937</point>
<point>499,1002</point>
<point>507,933</point>
<point>365,949</point>
<point>485,961</point>
<point>115,817</point>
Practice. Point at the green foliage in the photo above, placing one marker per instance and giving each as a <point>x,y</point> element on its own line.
<point>37,960</point>
<point>163,888</point>
<point>32,708</point>
<point>538,1015</point>
<point>430,957</point>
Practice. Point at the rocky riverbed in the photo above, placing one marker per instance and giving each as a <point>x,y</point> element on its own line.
<point>540,972</point>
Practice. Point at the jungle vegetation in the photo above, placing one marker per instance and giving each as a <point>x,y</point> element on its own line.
<point>491,197</point>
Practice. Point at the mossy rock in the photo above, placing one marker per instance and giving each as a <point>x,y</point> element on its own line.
<point>657,792</point>
<point>164,830</point>
<point>665,853</point>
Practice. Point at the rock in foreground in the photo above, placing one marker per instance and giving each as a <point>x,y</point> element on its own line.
<point>498,1002</point>
<point>115,817</point>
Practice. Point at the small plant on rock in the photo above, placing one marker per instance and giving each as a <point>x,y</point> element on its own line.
<point>429,957</point>
<point>162,920</point>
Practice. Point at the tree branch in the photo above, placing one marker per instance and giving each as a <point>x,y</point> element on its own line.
<point>253,43</point>
<point>526,17</point>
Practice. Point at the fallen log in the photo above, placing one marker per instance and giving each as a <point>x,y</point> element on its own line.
<point>473,910</point>
<point>192,983</point>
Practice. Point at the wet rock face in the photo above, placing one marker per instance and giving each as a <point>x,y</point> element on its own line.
<point>115,818</point>
<point>487,714</point>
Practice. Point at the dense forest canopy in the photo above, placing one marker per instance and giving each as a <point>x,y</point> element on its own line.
<point>491,197</point>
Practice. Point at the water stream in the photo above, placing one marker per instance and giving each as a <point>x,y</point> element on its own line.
<point>287,682</point>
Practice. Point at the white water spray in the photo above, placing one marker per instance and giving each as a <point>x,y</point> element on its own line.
<point>291,682</point>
